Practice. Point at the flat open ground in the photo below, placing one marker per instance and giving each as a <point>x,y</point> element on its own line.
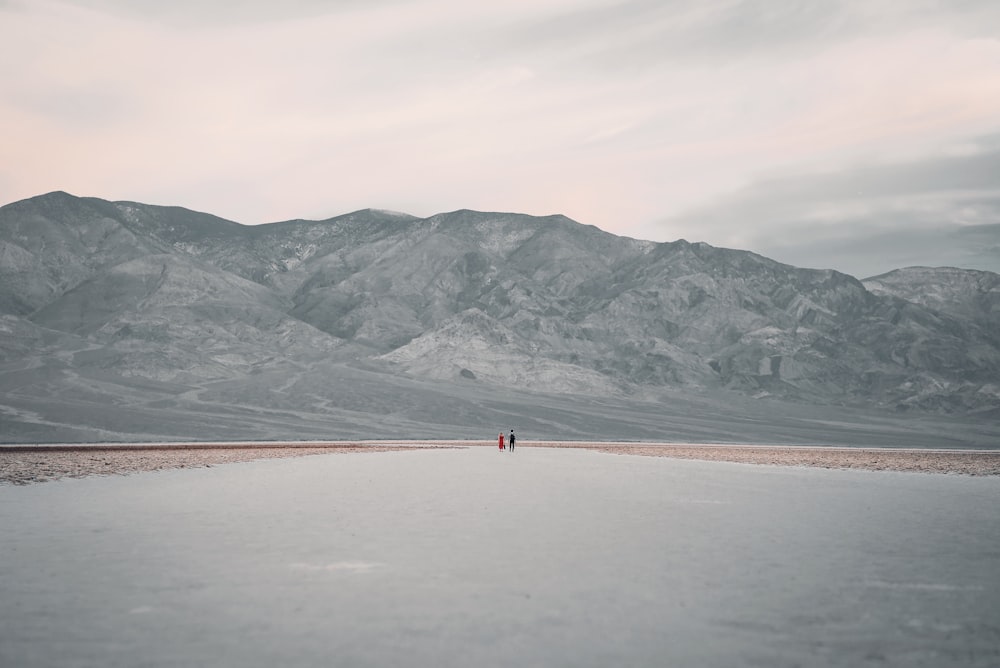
<point>23,465</point>
<point>541,557</point>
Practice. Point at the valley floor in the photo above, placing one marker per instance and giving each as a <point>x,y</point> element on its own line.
<point>22,465</point>
<point>456,557</point>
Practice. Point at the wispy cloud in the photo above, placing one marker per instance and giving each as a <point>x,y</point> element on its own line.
<point>869,218</point>
<point>210,15</point>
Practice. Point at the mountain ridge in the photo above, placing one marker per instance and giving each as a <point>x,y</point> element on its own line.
<point>476,300</point>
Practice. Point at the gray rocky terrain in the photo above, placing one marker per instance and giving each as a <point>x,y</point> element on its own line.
<point>961,293</point>
<point>125,321</point>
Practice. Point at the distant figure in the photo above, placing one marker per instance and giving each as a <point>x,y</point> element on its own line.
<point>510,439</point>
<point>501,440</point>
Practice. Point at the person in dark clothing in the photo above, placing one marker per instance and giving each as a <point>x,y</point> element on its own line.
<point>510,440</point>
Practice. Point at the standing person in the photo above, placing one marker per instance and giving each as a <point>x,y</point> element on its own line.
<point>510,439</point>
<point>501,440</point>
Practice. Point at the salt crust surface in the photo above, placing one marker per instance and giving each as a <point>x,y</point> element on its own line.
<point>22,465</point>
<point>541,557</point>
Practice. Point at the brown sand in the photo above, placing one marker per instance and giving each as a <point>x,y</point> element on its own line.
<point>966,462</point>
<point>22,465</point>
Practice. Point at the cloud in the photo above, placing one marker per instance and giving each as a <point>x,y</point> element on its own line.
<point>644,34</point>
<point>868,218</point>
<point>207,15</point>
<point>640,36</point>
<point>817,195</point>
<point>868,251</point>
<point>90,106</point>
<point>618,113</point>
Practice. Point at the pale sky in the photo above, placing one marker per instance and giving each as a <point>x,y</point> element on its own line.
<point>853,134</point>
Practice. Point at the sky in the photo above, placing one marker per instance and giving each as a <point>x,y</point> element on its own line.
<point>859,135</point>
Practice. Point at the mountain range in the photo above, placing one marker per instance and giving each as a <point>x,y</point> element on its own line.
<point>127,321</point>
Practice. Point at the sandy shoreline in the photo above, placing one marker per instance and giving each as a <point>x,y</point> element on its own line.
<point>23,465</point>
<point>964,462</point>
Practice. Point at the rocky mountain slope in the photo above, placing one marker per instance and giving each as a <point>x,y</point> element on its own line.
<point>375,323</point>
<point>965,294</point>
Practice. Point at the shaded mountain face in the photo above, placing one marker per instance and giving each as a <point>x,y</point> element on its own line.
<point>960,293</point>
<point>469,300</point>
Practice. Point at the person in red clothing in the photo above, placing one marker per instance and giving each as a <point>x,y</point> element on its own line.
<point>501,440</point>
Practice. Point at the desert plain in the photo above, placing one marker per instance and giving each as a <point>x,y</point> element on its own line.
<point>26,464</point>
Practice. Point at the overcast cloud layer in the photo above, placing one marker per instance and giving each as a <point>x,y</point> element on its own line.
<point>853,134</point>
